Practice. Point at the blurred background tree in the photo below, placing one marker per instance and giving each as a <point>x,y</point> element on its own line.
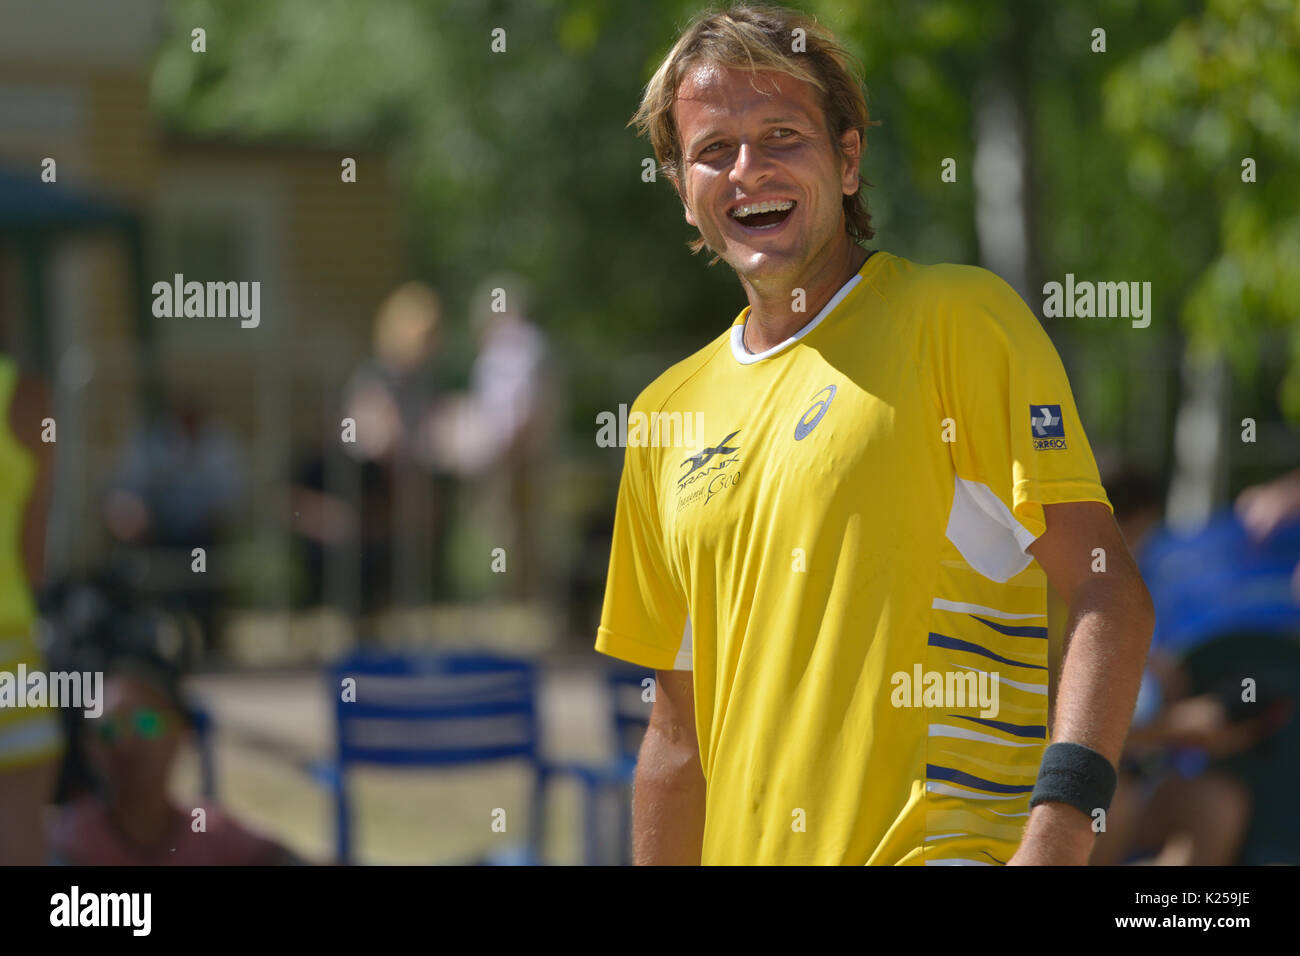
<point>1122,165</point>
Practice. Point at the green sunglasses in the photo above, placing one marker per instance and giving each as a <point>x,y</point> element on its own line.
<point>144,723</point>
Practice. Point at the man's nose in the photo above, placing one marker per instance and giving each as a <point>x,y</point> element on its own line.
<point>750,165</point>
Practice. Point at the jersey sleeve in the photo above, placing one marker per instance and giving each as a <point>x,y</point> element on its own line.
<point>644,619</point>
<point>1015,437</point>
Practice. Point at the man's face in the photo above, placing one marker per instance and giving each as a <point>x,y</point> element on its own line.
<point>741,147</point>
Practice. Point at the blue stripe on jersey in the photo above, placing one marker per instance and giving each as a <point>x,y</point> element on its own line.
<point>970,780</point>
<point>942,640</point>
<point>1018,730</point>
<point>1023,630</point>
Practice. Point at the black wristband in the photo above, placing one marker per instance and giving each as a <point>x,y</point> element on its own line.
<point>1075,775</point>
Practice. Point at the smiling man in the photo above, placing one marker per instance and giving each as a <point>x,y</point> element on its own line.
<point>892,472</point>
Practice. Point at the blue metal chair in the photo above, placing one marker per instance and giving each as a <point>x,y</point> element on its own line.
<point>1217,581</point>
<point>630,716</point>
<point>436,710</point>
<point>204,744</point>
<point>1224,605</point>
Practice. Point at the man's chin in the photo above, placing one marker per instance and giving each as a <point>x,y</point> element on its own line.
<point>753,263</point>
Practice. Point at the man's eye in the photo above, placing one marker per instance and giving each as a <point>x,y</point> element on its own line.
<point>784,129</point>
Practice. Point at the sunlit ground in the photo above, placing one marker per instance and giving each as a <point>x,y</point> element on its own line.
<point>270,726</point>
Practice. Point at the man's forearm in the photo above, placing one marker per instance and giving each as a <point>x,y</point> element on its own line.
<point>1109,634</point>
<point>668,804</point>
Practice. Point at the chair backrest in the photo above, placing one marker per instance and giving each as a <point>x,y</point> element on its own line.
<point>434,709</point>
<point>630,712</point>
<point>1218,581</point>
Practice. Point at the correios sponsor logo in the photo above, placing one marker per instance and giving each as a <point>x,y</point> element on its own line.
<point>1047,427</point>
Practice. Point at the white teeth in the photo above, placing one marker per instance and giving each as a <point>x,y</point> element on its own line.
<point>778,205</point>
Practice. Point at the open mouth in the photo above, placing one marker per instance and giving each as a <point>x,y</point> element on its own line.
<point>763,215</point>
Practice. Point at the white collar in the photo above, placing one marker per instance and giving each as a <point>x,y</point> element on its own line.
<point>745,357</point>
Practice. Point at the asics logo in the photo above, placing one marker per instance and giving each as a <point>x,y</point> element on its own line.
<point>806,424</point>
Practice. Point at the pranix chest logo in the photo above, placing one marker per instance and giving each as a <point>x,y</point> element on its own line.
<point>709,472</point>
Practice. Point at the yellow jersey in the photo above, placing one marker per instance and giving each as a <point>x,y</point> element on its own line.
<point>838,555</point>
<point>27,734</point>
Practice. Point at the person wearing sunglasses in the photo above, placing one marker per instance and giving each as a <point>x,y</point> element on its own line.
<point>144,723</point>
<point>132,818</point>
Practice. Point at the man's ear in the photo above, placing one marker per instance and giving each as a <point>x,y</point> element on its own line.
<point>677,185</point>
<point>851,152</point>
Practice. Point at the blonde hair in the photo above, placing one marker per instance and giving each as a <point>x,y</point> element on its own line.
<point>758,37</point>
<point>406,323</point>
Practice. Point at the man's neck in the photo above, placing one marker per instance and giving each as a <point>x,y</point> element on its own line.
<point>772,318</point>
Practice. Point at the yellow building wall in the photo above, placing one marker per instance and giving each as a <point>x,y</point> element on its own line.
<point>340,256</point>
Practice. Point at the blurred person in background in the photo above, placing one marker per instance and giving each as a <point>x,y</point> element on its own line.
<point>1172,806</point>
<point>179,481</point>
<point>1175,803</point>
<point>496,435</point>
<point>401,512</point>
<point>129,818</point>
<point>30,738</point>
<point>90,617</point>
<point>1264,508</point>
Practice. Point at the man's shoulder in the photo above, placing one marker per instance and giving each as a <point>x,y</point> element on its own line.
<point>954,301</point>
<point>941,282</point>
<point>659,394</point>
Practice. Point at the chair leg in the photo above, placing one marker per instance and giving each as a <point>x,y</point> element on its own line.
<point>207,765</point>
<point>537,818</point>
<point>591,825</point>
<point>342,828</point>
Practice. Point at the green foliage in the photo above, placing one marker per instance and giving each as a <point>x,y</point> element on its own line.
<point>1223,86</point>
<point>523,160</point>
